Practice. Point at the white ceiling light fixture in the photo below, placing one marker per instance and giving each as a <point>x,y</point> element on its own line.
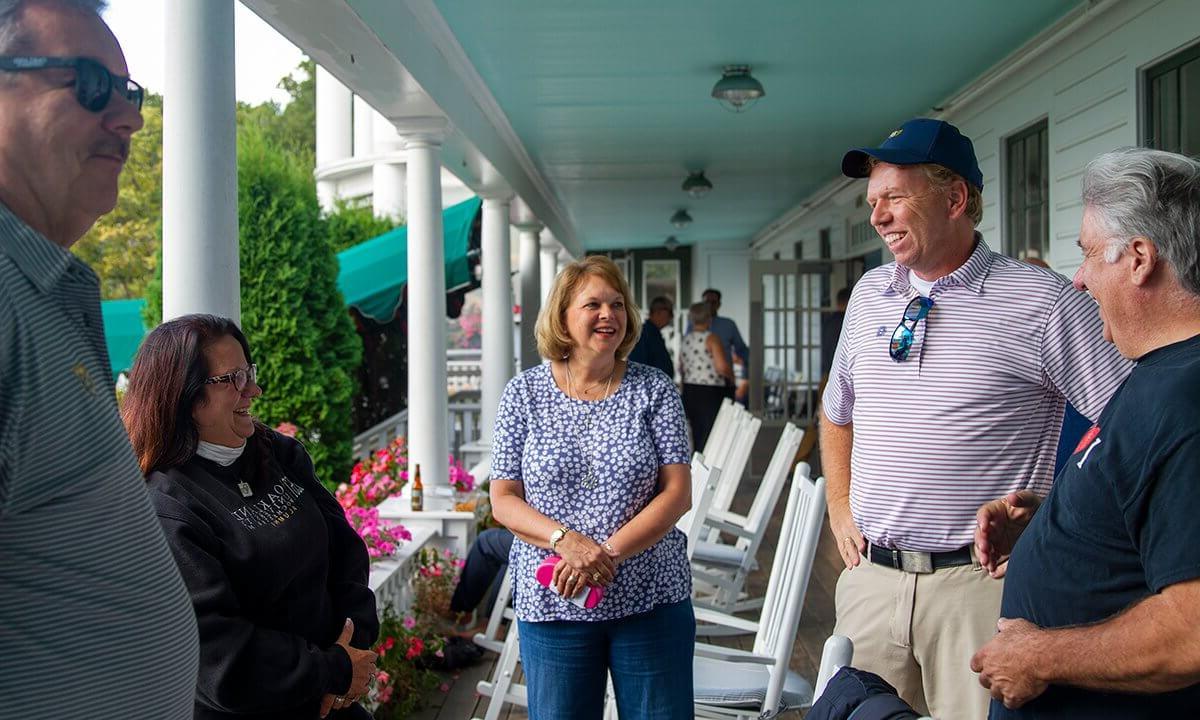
<point>681,219</point>
<point>696,185</point>
<point>737,90</point>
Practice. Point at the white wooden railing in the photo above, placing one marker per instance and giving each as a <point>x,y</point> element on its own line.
<point>390,579</point>
<point>464,371</point>
<point>463,429</point>
<point>380,434</point>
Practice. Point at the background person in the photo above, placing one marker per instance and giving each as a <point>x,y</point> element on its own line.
<point>278,578</point>
<point>94,619</point>
<point>651,349</point>
<point>706,373</point>
<point>1103,584</point>
<point>947,390</point>
<point>486,560</point>
<point>727,330</point>
<point>590,461</point>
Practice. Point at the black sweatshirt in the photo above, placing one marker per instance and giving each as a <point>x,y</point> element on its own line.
<point>272,579</point>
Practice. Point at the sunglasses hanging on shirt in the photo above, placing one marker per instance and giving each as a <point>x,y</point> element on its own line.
<point>902,337</point>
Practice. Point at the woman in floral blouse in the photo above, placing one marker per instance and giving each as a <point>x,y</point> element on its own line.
<point>590,462</point>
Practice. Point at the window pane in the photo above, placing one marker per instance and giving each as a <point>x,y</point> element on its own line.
<point>1033,170</point>
<point>1169,111</point>
<point>1189,108</point>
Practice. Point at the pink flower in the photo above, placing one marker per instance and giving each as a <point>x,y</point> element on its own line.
<point>287,428</point>
<point>409,623</point>
<point>444,687</point>
<point>415,647</point>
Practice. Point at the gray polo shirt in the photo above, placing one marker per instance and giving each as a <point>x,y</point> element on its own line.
<point>95,620</point>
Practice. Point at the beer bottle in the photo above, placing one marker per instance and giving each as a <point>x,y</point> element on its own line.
<point>418,490</point>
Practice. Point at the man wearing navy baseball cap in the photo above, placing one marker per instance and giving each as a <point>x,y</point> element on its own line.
<point>947,388</point>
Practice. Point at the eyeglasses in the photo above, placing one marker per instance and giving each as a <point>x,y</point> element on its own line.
<point>94,84</point>
<point>902,337</point>
<point>238,377</point>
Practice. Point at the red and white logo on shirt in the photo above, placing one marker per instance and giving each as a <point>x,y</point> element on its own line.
<point>1089,441</point>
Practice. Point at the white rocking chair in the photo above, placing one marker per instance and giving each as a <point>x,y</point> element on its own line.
<point>719,569</point>
<point>758,683</point>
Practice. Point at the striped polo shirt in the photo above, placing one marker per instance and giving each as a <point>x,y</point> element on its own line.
<point>95,620</point>
<point>975,411</point>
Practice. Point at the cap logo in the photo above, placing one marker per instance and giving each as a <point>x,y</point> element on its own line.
<point>895,133</point>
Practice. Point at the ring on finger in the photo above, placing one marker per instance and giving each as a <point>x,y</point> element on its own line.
<point>596,576</point>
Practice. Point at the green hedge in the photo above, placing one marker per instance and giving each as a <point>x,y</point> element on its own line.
<point>293,314</point>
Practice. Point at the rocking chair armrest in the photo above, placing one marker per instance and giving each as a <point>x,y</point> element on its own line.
<point>730,528</point>
<point>712,617</point>
<point>728,516</point>
<point>718,652</point>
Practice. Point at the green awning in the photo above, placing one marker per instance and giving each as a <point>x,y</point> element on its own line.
<point>123,331</point>
<point>371,277</point>
<point>373,273</point>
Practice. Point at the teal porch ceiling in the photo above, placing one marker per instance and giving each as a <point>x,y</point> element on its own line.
<point>611,99</point>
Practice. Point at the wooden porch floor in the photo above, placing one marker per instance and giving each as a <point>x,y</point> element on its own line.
<point>461,701</point>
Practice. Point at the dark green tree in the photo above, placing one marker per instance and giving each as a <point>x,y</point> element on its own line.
<point>294,316</point>
<point>293,127</point>
<point>351,223</point>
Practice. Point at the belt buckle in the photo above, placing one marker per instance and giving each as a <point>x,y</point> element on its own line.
<point>915,562</point>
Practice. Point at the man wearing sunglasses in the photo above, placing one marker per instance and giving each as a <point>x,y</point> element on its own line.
<point>83,560</point>
<point>1103,583</point>
<point>947,390</point>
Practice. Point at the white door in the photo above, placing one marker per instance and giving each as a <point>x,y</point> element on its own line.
<point>785,338</point>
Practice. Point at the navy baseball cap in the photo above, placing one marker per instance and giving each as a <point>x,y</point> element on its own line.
<point>920,141</point>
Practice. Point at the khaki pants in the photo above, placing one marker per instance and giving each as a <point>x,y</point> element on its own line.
<point>919,632</point>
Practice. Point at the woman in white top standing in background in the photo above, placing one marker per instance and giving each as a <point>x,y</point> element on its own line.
<point>705,369</point>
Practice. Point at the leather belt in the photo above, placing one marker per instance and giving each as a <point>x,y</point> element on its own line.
<point>918,562</point>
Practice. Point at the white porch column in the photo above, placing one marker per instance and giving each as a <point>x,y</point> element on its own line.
<point>564,259</point>
<point>334,132</point>
<point>549,266</point>
<point>531,294</point>
<point>427,411</point>
<point>364,128</point>
<point>387,194</point>
<point>387,176</point>
<point>497,311</point>
<point>200,214</point>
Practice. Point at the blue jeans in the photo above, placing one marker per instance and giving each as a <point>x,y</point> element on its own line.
<point>650,656</point>
<point>486,561</point>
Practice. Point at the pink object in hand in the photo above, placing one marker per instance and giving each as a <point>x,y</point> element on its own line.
<point>586,600</point>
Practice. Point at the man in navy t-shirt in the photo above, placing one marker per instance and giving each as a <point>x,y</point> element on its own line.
<point>1103,585</point>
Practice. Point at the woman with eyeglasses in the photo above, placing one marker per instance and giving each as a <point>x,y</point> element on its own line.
<point>278,578</point>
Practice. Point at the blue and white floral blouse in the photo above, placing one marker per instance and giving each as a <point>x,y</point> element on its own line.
<point>548,441</point>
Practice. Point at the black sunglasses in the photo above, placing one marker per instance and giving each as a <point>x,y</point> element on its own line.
<point>902,337</point>
<point>94,84</point>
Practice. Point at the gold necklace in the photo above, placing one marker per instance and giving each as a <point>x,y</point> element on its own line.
<point>585,391</point>
<point>589,476</point>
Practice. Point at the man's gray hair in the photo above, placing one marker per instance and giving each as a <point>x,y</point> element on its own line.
<point>12,36</point>
<point>699,314</point>
<point>1137,192</point>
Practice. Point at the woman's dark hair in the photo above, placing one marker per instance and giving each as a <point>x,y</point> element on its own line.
<point>166,383</point>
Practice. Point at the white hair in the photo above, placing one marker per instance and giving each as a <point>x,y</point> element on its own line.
<point>1138,192</point>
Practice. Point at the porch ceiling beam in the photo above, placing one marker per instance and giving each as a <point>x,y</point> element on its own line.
<point>403,59</point>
